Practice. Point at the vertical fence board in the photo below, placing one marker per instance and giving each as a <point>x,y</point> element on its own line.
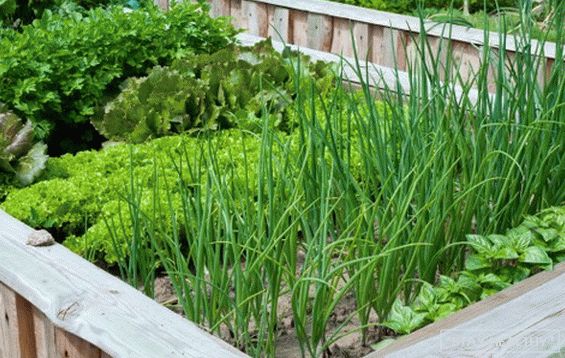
<point>361,40</point>
<point>9,342</point>
<point>385,45</point>
<point>278,23</point>
<point>403,45</point>
<point>236,12</point>
<point>344,43</point>
<point>26,332</point>
<point>299,28</point>
<point>256,17</point>
<point>319,32</point>
<point>219,8</point>
<point>341,38</point>
<point>466,58</point>
<point>44,331</point>
<point>70,346</point>
<point>439,51</point>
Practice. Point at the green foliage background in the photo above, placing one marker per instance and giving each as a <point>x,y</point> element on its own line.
<point>59,70</point>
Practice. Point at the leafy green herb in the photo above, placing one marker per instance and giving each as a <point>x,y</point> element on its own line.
<point>496,262</point>
<point>60,69</point>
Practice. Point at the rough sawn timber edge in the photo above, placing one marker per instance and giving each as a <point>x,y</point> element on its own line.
<point>85,301</point>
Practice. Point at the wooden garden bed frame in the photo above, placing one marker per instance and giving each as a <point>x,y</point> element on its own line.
<point>53,303</point>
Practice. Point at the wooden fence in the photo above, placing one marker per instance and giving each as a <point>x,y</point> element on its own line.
<point>381,38</point>
<point>54,303</point>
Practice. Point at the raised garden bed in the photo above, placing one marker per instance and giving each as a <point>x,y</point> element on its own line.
<point>291,207</point>
<point>53,303</point>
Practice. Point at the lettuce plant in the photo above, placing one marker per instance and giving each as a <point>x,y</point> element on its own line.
<point>20,157</point>
<point>230,88</point>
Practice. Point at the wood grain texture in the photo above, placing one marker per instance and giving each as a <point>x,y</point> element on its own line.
<point>299,28</point>
<point>341,39</point>
<point>514,322</point>
<point>256,18</point>
<point>68,345</point>
<point>9,335</point>
<point>238,18</point>
<point>384,43</point>
<point>279,23</point>
<point>89,303</point>
<point>319,32</point>
<point>220,8</point>
<point>26,331</point>
<point>466,58</point>
<point>350,37</point>
<point>44,333</point>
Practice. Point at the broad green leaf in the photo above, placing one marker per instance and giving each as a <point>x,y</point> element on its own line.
<point>505,253</point>
<point>499,240</point>
<point>445,310</point>
<point>479,243</point>
<point>403,319</point>
<point>426,297</point>
<point>476,262</point>
<point>548,234</point>
<point>535,255</point>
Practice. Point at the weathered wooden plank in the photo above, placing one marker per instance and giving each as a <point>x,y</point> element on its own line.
<point>220,8</point>
<point>319,32</point>
<point>349,37</point>
<point>527,319</point>
<point>68,345</point>
<point>238,18</point>
<point>279,23</point>
<point>299,28</point>
<point>405,23</point>
<point>9,340</point>
<point>341,38</point>
<point>44,333</point>
<point>384,43</point>
<point>88,302</point>
<point>361,39</point>
<point>26,332</point>
<point>257,20</point>
<point>437,55</point>
<point>466,58</point>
